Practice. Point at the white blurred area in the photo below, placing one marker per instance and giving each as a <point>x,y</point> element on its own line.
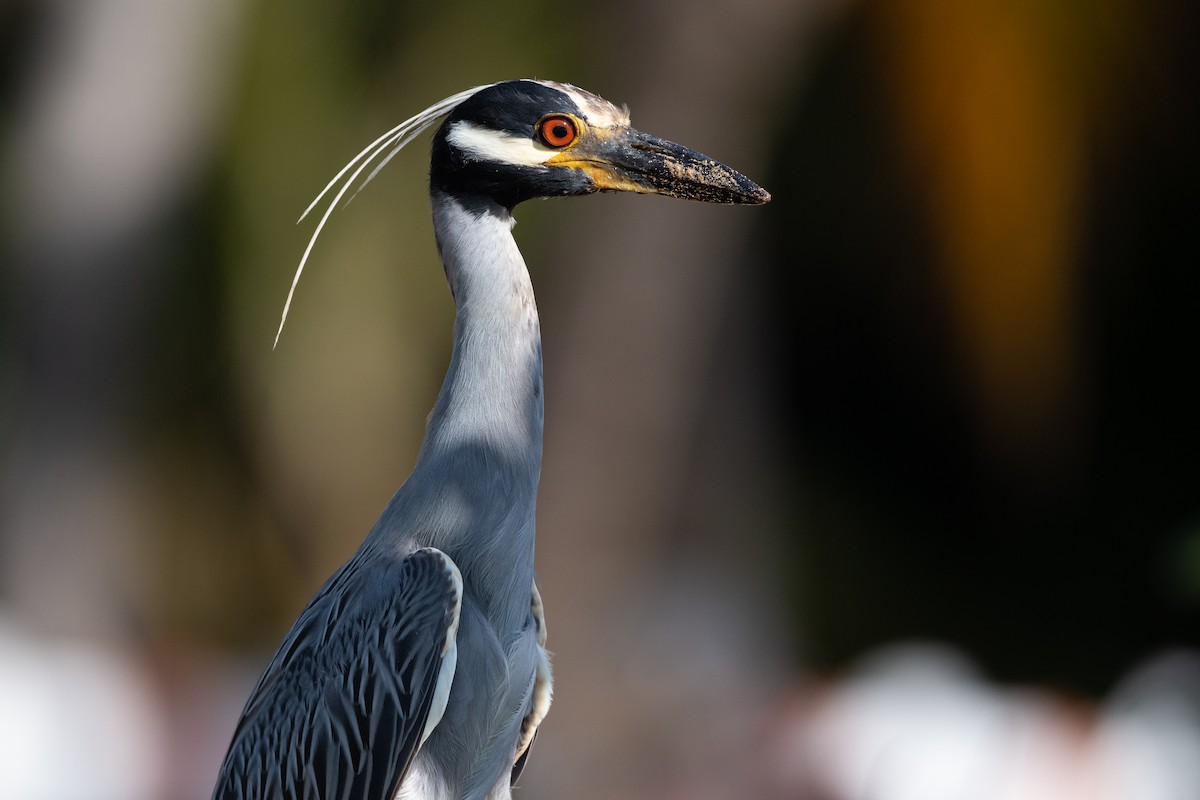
<point>87,721</point>
<point>919,722</point>
<point>80,720</point>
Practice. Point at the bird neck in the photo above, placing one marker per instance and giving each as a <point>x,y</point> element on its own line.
<point>473,490</point>
<point>492,393</point>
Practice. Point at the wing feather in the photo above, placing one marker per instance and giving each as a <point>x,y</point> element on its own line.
<point>340,710</point>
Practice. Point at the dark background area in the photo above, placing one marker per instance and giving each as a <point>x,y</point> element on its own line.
<point>1052,551</point>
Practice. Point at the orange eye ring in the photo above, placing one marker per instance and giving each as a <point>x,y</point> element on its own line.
<point>557,130</point>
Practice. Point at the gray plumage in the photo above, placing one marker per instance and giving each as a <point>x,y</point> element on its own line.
<point>419,670</point>
<point>471,496</point>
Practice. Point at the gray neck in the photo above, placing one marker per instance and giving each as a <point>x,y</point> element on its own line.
<point>492,393</point>
<point>473,490</point>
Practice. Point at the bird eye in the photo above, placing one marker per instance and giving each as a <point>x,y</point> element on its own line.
<point>557,130</point>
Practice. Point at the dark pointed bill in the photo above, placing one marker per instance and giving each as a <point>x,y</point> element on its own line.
<point>631,161</point>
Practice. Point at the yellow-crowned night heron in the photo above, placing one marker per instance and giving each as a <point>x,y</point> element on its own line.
<point>418,670</point>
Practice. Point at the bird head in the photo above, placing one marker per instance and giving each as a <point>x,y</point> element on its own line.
<point>525,139</point>
<point>517,140</point>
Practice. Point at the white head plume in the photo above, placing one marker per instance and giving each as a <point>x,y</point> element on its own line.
<point>395,139</point>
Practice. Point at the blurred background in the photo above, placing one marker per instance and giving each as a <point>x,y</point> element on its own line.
<point>889,489</point>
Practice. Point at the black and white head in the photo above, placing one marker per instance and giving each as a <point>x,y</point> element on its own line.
<point>517,140</point>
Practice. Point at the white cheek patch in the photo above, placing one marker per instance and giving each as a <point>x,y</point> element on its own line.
<point>484,144</point>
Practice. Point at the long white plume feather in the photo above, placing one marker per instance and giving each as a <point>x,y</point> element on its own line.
<point>395,139</point>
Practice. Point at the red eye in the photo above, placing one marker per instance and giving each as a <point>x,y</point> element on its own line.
<point>557,131</point>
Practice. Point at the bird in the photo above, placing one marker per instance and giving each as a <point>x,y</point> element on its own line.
<point>419,670</point>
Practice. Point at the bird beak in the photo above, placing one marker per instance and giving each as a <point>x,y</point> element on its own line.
<point>627,160</point>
